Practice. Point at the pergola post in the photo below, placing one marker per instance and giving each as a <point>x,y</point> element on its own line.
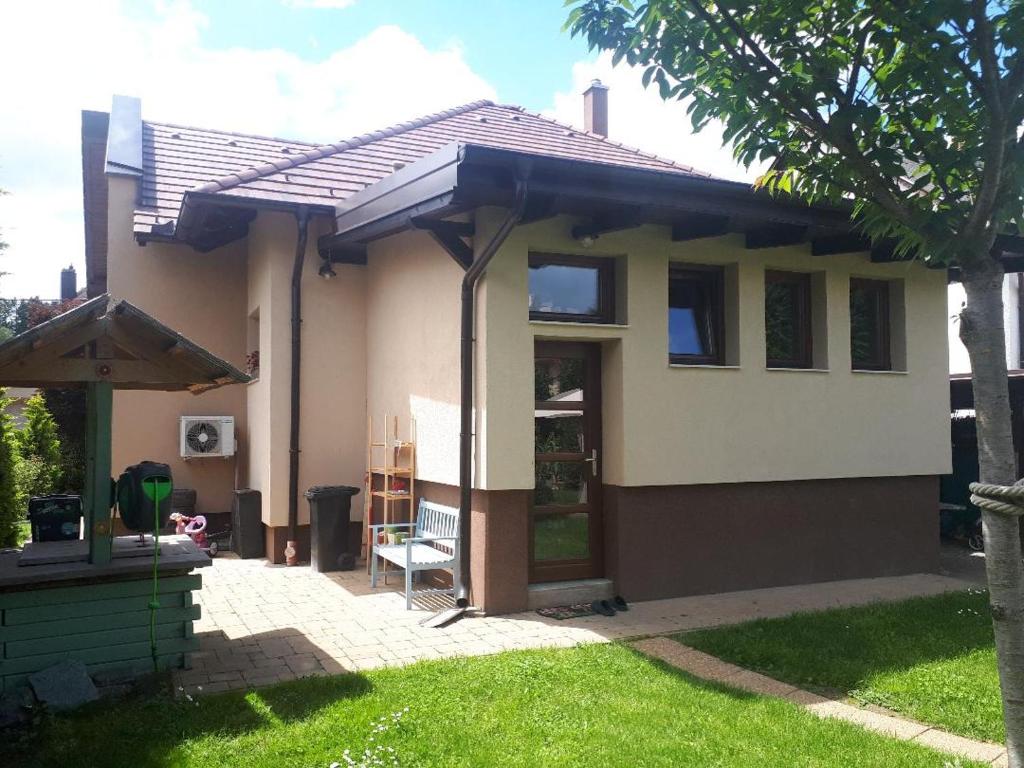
<point>99,411</point>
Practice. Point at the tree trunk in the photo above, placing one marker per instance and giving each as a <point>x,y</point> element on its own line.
<point>983,332</point>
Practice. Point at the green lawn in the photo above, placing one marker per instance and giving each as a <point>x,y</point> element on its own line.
<point>930,658</point>
<point>600,705</point>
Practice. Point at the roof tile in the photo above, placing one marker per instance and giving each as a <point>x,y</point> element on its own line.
<point>178,159</point>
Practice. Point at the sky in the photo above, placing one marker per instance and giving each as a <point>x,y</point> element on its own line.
<point>317,70</point>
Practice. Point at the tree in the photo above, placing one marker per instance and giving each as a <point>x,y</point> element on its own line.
<point>39,446</point>
<point>10,508</point>
<point>911,110</point>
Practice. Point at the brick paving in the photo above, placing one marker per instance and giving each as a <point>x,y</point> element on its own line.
<point>710,668</point>
<point>263,624</point>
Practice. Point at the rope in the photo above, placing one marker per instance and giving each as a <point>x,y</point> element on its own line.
<point>1001,499</point>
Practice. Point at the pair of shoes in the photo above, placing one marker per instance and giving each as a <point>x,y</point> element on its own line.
<point>610,607</point>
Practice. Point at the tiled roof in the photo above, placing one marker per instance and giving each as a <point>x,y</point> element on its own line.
<point>177,159</point>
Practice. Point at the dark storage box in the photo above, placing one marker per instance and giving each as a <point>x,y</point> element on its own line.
<point>247,523</point>
<point>55,518</point>
<point>329,511</point>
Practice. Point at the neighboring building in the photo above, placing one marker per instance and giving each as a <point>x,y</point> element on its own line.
<point>959,363</point>
<point>670,389</point>
<point>19,397</point>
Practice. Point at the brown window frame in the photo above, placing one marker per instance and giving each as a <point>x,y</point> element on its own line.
<point>713,279</point>
<point>802,321</point>
<point>883,339</point>
<point>605,266</point>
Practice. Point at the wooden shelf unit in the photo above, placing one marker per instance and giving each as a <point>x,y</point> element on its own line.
<point>389,459</point>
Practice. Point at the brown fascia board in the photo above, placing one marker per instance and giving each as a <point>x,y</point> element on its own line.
<point>463,176</point>
<point>94,200</point>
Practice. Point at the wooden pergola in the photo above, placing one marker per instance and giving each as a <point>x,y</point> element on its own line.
<point>102,345</point>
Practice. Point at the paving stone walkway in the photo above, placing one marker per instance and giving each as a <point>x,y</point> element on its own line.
<point>715,670</point>
<point>263,624</point>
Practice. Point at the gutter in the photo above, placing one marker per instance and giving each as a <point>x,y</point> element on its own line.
<point>302,221</point>
<point>469,282</point>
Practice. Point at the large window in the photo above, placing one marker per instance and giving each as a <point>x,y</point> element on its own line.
<point>696,298</point>
<point>575,288</point>
<point>869,325</point>
<point>787,319</point>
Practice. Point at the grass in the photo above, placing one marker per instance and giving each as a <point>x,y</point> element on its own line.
<point>932,658</point>
<point>561,537</point>
<point>598,705</point>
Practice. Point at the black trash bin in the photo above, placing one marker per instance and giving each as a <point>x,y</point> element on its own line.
<point>247,523</point>
<point>55,518</point>
<point>329,508</point>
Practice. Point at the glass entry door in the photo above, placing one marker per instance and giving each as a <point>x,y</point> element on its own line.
<point>565,521</point>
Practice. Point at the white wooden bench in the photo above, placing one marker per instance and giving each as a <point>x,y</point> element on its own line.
<point>434,545</point>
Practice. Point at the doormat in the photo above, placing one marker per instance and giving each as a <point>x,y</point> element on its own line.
<point>563,612</point>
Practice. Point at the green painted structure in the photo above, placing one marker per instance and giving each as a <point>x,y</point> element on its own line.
<point>104,625</point>
<point>90,600</point>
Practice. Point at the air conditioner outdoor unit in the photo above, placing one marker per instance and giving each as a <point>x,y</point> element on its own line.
<point>203,436</point>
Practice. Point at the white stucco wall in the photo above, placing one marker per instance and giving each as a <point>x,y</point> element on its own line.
<point>959,362</point>
<point>678,425</point>
<point>412,357</point>
<point>202,296</point>
<point>333,381</point>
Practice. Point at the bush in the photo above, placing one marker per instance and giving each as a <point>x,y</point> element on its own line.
<point>11,510</point>
<point>39,449</point>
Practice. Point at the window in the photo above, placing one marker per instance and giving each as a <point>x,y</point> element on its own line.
<point>870,348</point>
<point>696,298</point>
<point>787,319</point>
<point>575,288</point>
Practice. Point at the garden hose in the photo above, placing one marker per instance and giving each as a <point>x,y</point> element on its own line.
<point>154,604</point>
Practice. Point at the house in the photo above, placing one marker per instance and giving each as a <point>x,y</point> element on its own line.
<point>631,375</point>
<point>964,435</point>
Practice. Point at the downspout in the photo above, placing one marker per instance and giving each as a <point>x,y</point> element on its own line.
<point>469,283</point>
<point>302,220</point>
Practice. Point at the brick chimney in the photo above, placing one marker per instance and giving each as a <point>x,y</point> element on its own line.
<point>68,283</point>
<point>595,108</point>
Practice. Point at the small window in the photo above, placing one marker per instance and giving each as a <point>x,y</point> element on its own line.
<point>696,298</point>
<point>870,348</point>
<point>787,319</point>
<point>575,288</point>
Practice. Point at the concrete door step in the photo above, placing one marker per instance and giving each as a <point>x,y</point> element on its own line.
<point>555,593</point>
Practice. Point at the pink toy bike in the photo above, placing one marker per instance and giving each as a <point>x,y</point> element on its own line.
<point>195,529</point>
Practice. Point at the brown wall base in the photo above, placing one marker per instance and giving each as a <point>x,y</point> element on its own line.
<point>276,538</point>
<point>499,552</point>
<point>668,541</point>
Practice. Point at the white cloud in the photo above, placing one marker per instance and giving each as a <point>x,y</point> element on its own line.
<point>639,118</point>
<point>93,50</point>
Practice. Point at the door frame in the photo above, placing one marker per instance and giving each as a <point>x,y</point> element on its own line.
<point>593,566</point>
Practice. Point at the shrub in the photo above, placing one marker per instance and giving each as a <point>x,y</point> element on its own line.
<point>39,446</point>
<point>11,510</point>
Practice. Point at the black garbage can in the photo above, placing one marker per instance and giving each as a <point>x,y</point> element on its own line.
<point>55,518</point>
<point>329,511</point>
<point>247,523</point>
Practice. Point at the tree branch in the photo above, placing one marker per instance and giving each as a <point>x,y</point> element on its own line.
<point>855,66</point>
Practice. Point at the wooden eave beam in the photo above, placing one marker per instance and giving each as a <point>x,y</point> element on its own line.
<point>539,207</point>
<point>449,235</point>
<point>619,221</point>
<point>697,227</point>
<point>775,236</point>
<point>833,245</point>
